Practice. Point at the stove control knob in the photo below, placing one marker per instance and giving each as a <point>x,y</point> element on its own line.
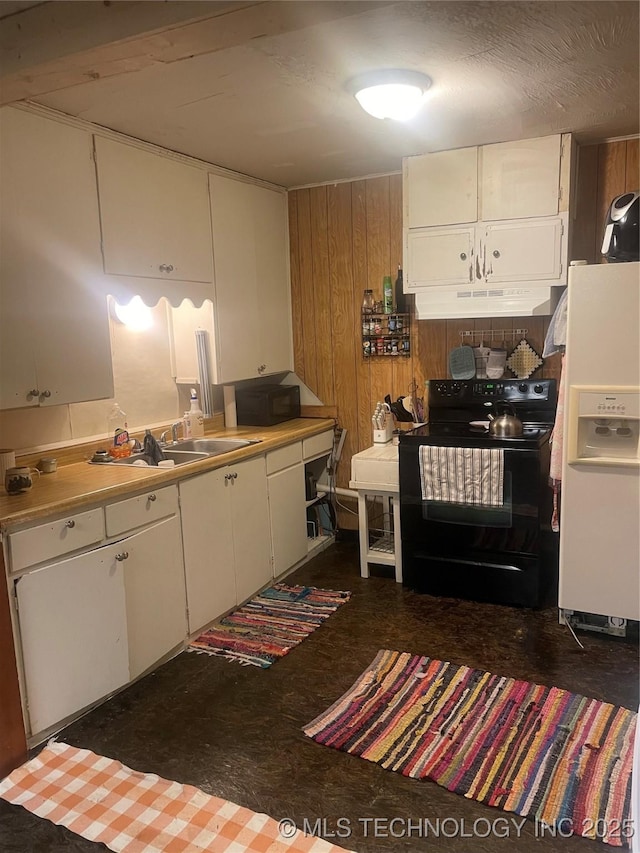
<point>538,389</point>
<point>522,387</point>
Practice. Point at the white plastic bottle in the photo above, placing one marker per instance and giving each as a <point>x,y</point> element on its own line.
<point>186,425</point>
<point>196,416</point>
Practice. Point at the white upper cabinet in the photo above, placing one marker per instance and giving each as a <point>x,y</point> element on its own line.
<point>508,180</point>
<point>522,250</point>
<point>440,256</point>
<point>54,325</point>
<point>441,188</point>
<point>516,216</point>
<point>520,179</point>
<point>155,214</point>
<point>252,310</point>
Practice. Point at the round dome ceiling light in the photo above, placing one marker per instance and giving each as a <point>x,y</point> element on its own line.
<point>390,93</point>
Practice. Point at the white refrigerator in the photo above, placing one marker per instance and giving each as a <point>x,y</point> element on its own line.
<point>600,492</point>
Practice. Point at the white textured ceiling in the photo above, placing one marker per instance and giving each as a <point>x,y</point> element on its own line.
<point>270,101</point>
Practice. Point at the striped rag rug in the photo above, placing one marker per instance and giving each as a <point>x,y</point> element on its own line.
<point>131,812</point>
<point>559,758</point>
<point>270,625</point>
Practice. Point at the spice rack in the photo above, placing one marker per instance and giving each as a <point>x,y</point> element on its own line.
<point>386,335</point>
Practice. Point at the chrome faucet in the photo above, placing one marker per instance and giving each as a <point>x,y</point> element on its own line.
<point>174,433</point>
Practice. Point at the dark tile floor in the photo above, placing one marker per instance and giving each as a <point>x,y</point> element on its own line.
<point>236,731</point>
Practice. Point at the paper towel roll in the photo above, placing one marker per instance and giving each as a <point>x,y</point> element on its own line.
<point>7,460</point>
<point>230,414</point>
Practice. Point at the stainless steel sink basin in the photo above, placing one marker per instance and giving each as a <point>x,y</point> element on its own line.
<point>179,456</point>
<point>212,446</point>
<point>194,449</point>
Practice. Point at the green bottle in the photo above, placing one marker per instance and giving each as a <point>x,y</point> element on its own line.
<point>387,294</point>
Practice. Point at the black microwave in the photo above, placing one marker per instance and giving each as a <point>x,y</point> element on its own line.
<point>266,405</point>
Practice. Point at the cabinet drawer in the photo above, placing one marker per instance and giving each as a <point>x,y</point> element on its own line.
<point>143,509</point>
<point>317,445</point>
<point>48,541</point>
<point>284,457</point>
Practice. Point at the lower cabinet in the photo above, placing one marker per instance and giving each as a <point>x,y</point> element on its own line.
<point>154,593</point>
<point>225,533</point>
<point>207,540</point>
<point>287,506</point>
<point>90,622</point>
<point>73,632</point>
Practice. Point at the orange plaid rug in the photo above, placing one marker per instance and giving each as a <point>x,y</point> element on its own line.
<point>102,800</point>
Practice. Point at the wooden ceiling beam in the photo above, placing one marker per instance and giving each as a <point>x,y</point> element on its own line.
<point>57,45</point>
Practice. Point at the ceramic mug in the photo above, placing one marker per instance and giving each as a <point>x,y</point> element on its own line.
<point>18,480</point>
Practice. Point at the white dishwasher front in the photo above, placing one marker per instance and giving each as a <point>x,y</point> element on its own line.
<point>73,631</point>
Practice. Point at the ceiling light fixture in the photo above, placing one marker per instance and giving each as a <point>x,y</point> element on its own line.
<point>390,93</point>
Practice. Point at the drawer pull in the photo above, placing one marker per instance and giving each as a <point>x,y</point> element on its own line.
<point>152,498</point>
<point>123,556</point>
<point>71,523</point>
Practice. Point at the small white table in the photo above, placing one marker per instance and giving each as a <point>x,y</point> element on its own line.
<point>374,473</point>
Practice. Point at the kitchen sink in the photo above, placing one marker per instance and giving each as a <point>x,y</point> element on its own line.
<point>180,457</point>
<point>212,446</point>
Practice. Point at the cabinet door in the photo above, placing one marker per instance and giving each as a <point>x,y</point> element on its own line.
<point>155,214</point>
<point>524,250</point>
<point>520,179</point>
<point>441,188</point>
<point>54,335</point>
<point>439,256</point>
<point>270,230</point>
<point>247,488</point>
<point>252,313</point>
<point>155,593</point>
<point>73,635</point>
<point>207,539</point>
<point>288,518</point>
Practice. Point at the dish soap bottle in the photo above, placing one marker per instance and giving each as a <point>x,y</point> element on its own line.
<point>117,432</point>
<point>196,416</point>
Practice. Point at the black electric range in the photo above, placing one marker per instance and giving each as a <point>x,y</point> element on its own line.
<point>505,554</point>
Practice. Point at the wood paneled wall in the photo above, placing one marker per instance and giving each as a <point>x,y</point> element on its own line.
<point>604,172</point>
<point>345,237</point>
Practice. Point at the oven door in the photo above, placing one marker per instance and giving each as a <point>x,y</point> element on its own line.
<point>500,554</point>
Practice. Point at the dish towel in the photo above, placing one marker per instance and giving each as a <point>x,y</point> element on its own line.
<point>462,475</point>
<point>557,442</point>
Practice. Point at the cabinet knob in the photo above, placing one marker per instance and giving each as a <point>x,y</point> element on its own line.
<point>496,253</point>
<point>152,498</point>
<point>234,476</point>
<point>166,267</point>
<point>33,393</point>
<point>71,523</point>
<point>46,394</point>
<point>123,556</point>
<point>463,256</point>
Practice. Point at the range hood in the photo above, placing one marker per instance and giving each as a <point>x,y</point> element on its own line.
<point>459,302</point>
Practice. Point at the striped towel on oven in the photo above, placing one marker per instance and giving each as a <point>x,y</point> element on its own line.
<point>462,475</point>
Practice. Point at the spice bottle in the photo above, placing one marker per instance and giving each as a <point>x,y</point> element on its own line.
<point>367,302</point>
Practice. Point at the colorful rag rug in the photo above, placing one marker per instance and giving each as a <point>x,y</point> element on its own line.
<point>543,753</point>
<point>104,801</point>
<point>269,625</point>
